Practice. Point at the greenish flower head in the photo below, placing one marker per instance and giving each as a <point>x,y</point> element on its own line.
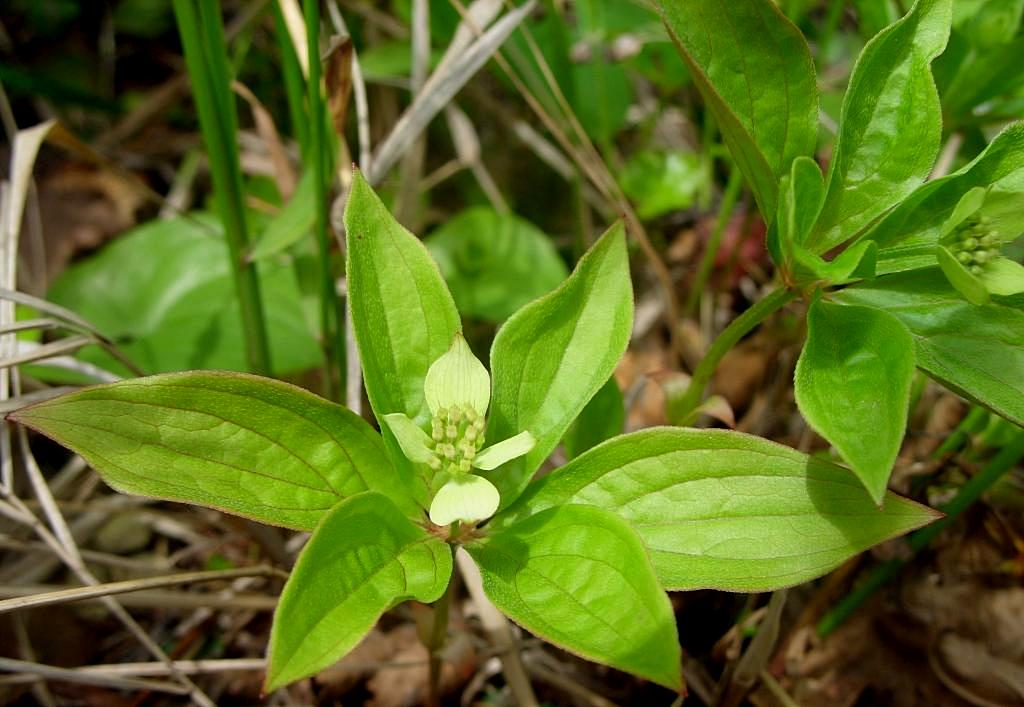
<point>458,390</point>
<point>969,253</point>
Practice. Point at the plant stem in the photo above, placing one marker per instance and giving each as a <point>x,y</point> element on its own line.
<point>707,261</point>
<point>291,70</point>
<point>332,324</point>
<point>202,38</point>
<point>682,407</point>
<point>1002,462</point>
<point>439,632</point>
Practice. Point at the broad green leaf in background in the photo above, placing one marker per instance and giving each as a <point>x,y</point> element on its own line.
<point>602,418</point>
<point>174,308</point>
<point>874,15</point>
<point>755,71</point>
<point>976,351</point>
<point>495,263</point>
<point>853,386</point>
<point>579,577</point>
<point>403,314</point>
<point>363,558</point>
<point>291,224</point>
<point>553,355</point>
<point>250,446</point>
<point>907,235</point>
<point>890,126</point>
<point>602,94</point>
<point>662,182</point>
<point>978,69</point>
<point>988,22</point>
<point>725,510</point>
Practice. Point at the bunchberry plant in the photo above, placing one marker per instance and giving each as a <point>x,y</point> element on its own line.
<point>582,556</point>
<point>899,273</point>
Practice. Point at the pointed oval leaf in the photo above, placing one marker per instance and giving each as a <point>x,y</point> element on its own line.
<point>246,445</point>
<point>853,386</point>
<point>363,558</point>
<point>754,69</point>
<point>976,351</point>
<point>725,510</point>
<point>553,355</point>
<point>579,577</point>
<point>890,126</point>
<point>402,312</point>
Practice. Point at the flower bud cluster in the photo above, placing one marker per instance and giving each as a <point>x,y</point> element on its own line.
<point>457,435</point>
<point>976,244</point>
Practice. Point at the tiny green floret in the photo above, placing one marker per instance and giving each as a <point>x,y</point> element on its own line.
<point>458,391</point>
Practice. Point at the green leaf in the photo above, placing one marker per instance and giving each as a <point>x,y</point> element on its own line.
<point>554,354</point>
<point>662,182</point>
<point>246,445</point>
<point>853,386</point>
<point>602,418</point>
<point>294,221</point>
<point>890,126</point>
<point>601,94</point>
<point>403,315</point>
<point>854,263</point>
<point>802,200</point>
<point>725,510</point>
<point>495,263</point>
<point>164,293</point>
<point>980,75</point>
<point>754,69</point>
<point>907,236</point>
<point>579,577</point>
<point>976,351</point>
<point>363,558</point>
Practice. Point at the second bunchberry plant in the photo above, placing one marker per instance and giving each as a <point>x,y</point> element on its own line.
<point>581,557</point>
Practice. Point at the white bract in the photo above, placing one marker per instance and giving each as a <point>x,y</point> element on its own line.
<point>458,390</point>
